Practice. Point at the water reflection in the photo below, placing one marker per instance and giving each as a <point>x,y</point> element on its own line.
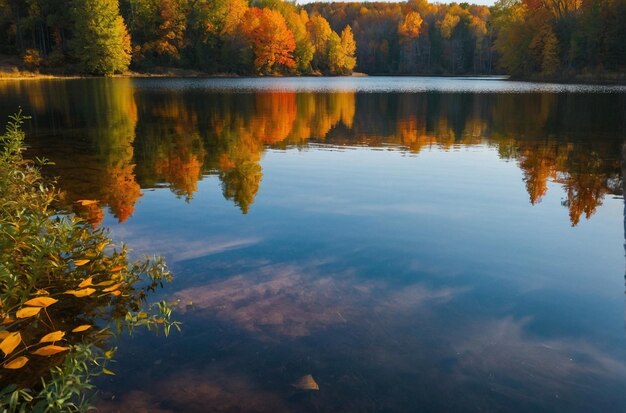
<point>124,137</point>
<point>372,346</point>
<point>409,250</point>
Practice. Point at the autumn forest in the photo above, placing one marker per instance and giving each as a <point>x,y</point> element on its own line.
<point>539,39</point>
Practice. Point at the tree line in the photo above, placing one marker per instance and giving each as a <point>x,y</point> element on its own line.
<point>524,38</point>
<point>215,36</point>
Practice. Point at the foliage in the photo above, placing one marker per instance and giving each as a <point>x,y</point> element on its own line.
<point>514,37</point>
<point>272,41</point>
<point>524,38</point>
<point>411,25</point>
<point>551,38</point>
<point>341,52</point>
<point>60,279</point>
<point>101,43</point>
<point>319,33</point>
<point>32,59</point>
<point>304,50</point>
<point>158,28</point>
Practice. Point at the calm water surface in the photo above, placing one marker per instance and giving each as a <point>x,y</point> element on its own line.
<point>414,244</point>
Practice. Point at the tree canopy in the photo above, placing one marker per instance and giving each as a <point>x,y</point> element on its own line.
<point>524,38</point>
<point>101,43</point>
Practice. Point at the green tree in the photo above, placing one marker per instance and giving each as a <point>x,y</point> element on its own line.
<point>319,33</point>
<point>303,53</point>
<point>341,52</point>
<point>101,43</point>
<point>514,38</point>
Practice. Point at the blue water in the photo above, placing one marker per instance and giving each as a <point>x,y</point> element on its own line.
<point>414,244</point>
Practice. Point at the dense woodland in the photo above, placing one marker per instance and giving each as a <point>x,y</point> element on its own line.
<point>527,38</point>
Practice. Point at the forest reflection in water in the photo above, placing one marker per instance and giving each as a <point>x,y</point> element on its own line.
<point>411,251</point>
<point>111,139</point>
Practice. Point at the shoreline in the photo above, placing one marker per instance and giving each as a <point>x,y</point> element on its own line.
<point>612,79</point>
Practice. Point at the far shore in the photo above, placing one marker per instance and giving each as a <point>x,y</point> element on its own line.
<point>616,79</point>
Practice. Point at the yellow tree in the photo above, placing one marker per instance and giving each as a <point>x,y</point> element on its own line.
<point>319,33</point>
<point>348,46</point>
<point>411,26</point>
<point>341,52</point>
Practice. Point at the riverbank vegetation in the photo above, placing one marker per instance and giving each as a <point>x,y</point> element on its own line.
<point>226,36</point>
<point>65,289</point>
<point>525,38</point>
<point>540,39</point>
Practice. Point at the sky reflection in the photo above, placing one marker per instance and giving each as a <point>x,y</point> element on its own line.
<point>411,244</point>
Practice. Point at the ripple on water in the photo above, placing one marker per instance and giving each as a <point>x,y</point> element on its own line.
<point>405,84</point>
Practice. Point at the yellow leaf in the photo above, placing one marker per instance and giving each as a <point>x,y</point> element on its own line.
<point>10,342</point>
<point>42,292</point>
<point>117,268</point>
<point>86,282</point>
<point>50,350</point>
<point>116,293</point>
<point>81,328</point>
<point>111,288</point>
<point>4,334</point>
<point>52,337</point>
<point>142,314</point>
<point>18,363</point>
<point>41,302</point>
<point>306,383</point>
<point>7,320</point>
<point>87,202</point>
<point>81,293</point>
<point>107,371</point>
<point>108,354</point>
<point>78,263</point>
<point>27,312</point>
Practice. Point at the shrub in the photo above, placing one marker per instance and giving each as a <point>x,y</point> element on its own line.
<point>65,289</point>
<point>32,59</point>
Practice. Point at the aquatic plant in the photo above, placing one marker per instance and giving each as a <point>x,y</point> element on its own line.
<point>65,289</point>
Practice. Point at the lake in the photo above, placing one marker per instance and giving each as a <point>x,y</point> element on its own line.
<point>414,244</point>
